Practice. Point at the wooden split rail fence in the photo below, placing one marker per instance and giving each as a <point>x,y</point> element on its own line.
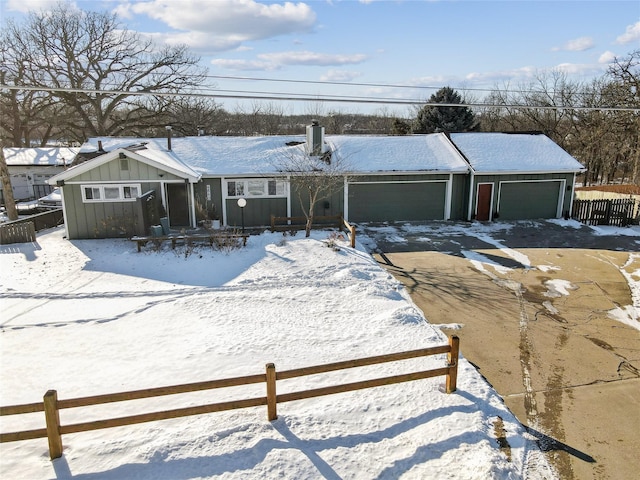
<point>51,405</point>
<point>285,224</point>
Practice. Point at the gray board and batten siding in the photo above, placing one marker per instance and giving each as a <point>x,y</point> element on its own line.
<point>526,197</point>
<point>110,219</point>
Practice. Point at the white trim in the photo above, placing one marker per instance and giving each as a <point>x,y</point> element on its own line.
<point>103,199</point>
<point>345,199</point>
<point>188,173</point>
<point>64,213</point>
<point>264,180</point>
<point>446,213</point>
<point>191,200</point>
<point>470,199</point>
<point>223,195</point>
<point>448,199</point>
<point>288,192</point>
<point>399,181</point>
<point>573,195</point>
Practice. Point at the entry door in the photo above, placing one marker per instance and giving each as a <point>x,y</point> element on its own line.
<point>178,204</point>
<point>483,202</point>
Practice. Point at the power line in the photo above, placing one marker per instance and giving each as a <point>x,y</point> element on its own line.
<point>249,95</point>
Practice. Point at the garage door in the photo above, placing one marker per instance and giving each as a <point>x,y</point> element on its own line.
<point>388,202</point>
<point>529,200</point>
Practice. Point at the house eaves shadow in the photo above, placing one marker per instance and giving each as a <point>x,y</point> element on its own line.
<point>197,266</point>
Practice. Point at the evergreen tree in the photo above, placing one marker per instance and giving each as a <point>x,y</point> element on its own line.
<point>432,119</point>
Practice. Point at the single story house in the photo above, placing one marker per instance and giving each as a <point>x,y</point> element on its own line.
<point>384,178</point>
<point>30,168</point>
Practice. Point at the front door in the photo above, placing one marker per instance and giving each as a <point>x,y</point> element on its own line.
<point>483,202</point>
<point>178,204</point>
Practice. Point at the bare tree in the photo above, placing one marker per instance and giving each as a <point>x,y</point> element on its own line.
<point>73,49</point>
<point>7,191</point>
<point>314,176</point>
<point>625,76</point>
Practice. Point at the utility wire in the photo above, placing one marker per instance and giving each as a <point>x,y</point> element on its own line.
<point>248,95</point>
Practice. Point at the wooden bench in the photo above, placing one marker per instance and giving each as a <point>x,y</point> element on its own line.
<point>218,238</point>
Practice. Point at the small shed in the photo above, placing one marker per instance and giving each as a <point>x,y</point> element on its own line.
<point>517,176</point>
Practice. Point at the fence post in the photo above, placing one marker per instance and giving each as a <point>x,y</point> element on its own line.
<point>452,359</point>
<point>52,416</point>
<point>272,412</point>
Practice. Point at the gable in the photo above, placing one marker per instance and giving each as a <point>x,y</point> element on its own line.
<point>124,170</point>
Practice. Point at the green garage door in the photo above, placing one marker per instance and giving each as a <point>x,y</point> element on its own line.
<point>529,200</point>
<point>388,202</point>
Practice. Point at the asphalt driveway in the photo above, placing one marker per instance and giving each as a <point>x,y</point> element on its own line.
<point>531,305</point>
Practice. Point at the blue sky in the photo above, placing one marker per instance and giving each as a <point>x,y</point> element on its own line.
<point>464,44</point>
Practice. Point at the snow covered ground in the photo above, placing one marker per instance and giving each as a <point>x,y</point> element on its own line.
<point>93,317</point>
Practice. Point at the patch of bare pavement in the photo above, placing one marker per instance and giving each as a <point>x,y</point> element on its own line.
<point>539,332</point>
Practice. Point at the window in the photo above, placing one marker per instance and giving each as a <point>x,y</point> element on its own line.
<point>130,192</point>
<point>256,187</point>
<point>91,193</point>
<point>110,193</point>
<point>235,189</point>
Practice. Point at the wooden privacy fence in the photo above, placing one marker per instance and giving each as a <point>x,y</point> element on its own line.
<point>23,230</point>
<point>17,233</point>
<point>51,406</point>
<point>617,212</point>
<point>285,224</point>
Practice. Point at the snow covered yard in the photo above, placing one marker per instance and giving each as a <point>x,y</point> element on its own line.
<point>93,317</point>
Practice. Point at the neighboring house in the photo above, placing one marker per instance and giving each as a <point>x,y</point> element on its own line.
<point>31,168</point>
<point>387,178</point>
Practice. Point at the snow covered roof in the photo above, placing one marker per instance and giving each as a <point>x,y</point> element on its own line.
<point>49,156</point>
<point>486,152</point>
<point>164,160</point>
<point>259,155</point>
<point>514,153</point>
<point>411,153</point>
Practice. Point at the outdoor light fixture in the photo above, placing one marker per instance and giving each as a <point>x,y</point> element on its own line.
<point>242,202</point>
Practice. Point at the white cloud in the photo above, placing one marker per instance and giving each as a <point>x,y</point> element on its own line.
<point>334,75</point>
<point>607,57</point>
<point>225,24</point>
<point>276,60</point>
<point>632,34</point>
<point>31,5</point>
<point>580,69</point>
<point>245,65</point>
<point>577,45</point>
<point>312,58</point>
